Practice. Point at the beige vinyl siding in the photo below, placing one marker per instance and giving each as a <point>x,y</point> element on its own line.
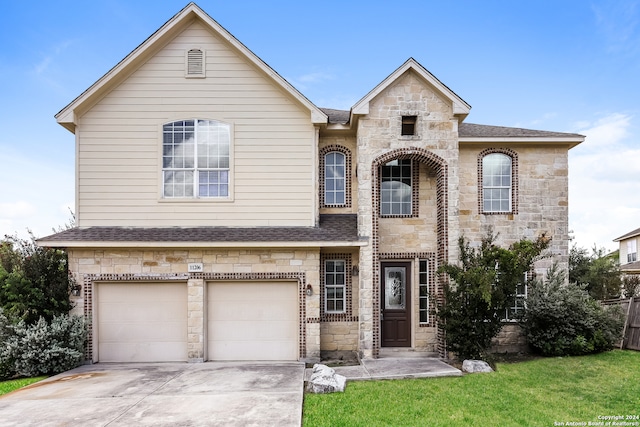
<point>273,143</point>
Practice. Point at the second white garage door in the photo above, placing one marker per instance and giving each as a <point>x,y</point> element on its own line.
<point>252,321</point>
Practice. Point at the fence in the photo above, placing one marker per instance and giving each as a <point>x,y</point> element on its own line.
<point>631,333</point>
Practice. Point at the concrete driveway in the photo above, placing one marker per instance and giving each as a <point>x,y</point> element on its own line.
<point>162,394</point>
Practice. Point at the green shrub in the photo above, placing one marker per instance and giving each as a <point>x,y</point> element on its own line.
<point>563,319</point>
<point>41,348</point>
<point>482,285</point>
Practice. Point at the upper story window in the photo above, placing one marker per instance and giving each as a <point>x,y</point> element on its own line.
<point>335,177</point>
<point>632,251</point>
<point>396,188</point>
<point>195,159</point>
<point>409,125</point>
<point>497,171</point>
<point>195,63</point>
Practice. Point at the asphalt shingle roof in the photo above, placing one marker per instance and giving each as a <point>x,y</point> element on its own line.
<point>331,228</point>
<point>633,233</point>
<point>470,130</point>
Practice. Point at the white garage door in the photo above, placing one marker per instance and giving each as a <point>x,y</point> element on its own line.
<point>252,321</point>
<point>142,322</point>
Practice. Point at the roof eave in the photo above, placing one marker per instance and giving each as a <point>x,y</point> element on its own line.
<point>572,141</point>
<point>197,244</point>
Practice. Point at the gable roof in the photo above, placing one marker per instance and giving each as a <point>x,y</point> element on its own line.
<point>460,107</point>
<point>630,234</point>
<point>68,115</point>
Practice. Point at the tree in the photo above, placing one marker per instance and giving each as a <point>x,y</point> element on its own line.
<point>481,286</point>
<point>630,286</point>
<point>34,281</point>
<point>598,272</point>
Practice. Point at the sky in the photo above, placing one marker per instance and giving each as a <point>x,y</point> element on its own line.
<point>558,65</point>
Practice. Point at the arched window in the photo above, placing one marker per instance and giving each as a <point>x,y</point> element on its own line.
<point>497,183</point>
<point>195,159</point>
<point>396,188</point>
<point>334,178</point>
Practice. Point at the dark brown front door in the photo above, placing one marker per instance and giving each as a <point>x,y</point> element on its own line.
<point>395,317</point>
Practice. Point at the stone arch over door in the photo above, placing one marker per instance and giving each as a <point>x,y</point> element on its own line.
<point>439,166</point>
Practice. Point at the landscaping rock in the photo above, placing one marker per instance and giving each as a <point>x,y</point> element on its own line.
<point>473,366</point>
<point>325,380</point>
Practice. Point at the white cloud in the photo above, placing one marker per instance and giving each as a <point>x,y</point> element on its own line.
<point>17,209</point>
<point>604,182</point>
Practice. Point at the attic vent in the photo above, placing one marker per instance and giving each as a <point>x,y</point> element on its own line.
<point>409,125</point>
<point>195,63</point>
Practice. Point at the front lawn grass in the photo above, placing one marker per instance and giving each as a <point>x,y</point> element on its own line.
<point>541,392</point>
<point>11,385</point>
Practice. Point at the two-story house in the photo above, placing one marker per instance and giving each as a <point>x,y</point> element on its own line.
<point>629,261</point>
<point>221,215</point>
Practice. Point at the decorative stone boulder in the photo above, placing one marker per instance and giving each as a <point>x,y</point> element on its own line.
<point>473,366</point>
<point>325,380</point>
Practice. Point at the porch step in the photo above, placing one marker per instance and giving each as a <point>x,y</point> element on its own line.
<point>407,353</point>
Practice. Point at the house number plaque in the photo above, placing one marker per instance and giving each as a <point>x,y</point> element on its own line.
<point>195,267</point>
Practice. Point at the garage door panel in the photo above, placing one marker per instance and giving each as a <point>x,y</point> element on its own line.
<point>267,331</point>
<point>253,321</point>
<point>241,350</point>
<point>142,322</point>
<point>249,310</point>
<point>139,352</point>
<point>159,311</point>
<point>142,332</point>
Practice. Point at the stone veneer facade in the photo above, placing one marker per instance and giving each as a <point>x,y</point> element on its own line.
<point>92,266</point>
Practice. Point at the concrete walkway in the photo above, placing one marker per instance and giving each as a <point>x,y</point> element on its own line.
<point>389,368</point>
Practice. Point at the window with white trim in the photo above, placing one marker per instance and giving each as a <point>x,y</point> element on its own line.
<point>496,183</point>
<point>423,280</point>
<point>517,303</point>
<point>335,281</point>
<point>334,178</point>
<point>632,251</point>
<point>195,159</point>
<point>396,188</point>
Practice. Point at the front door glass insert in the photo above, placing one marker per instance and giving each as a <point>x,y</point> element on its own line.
<point>394,288</point>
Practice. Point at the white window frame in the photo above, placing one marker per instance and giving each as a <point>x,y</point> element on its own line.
<point>332,180</point>
<point>188,164</point>
<point>518,303</point>
<point>632,251</point>
<point>332,277</point>
<point>493,184</point>
<point>423,291</point>
<point>396,188</point>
